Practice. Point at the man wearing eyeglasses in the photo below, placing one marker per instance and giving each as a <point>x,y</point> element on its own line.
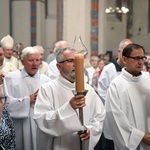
<point>128,102</point>
<point>57,109</point>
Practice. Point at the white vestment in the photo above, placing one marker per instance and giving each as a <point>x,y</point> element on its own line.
<point>128,111</point>
<point>43,68</point>
<point>91,71</point>
<point>108,73</point>
<point>12,60</point>
<point>53,71</point>
<point>18,87</point>
<point>7,67</point>
<point>58,122</point>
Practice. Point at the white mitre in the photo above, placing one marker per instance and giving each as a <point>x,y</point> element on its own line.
<point>7,42</point>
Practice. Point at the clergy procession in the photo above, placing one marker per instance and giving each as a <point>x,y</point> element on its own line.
<point>71,102</point>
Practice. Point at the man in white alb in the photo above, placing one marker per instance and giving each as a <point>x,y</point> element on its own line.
<point>21,88</point>
<point>56,110</point>
<point>128,102</point>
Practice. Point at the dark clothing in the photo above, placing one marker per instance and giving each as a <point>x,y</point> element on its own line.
<point>7,132</point>
<point>118,67</point>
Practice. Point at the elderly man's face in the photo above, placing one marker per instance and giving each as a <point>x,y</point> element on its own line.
<point>8,53</point>
<point>67,68</point>
<point>31,63</point>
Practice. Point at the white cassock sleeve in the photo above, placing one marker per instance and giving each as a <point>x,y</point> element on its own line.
<point>52,121</point>
<point>18,107</point>
<point>103,84</point>
<point>124,135</point>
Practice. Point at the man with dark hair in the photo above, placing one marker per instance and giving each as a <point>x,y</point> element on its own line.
<point>127,103</point>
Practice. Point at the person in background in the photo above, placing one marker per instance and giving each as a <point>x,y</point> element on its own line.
<point>15,54</point>
<point>148,57</point>
<point>5,67</point>
<point>51,56</point>
<point>18,49</point>
<point>7,131</point>
<point>43,68</point>
<point>21,88</point>
<point>86,61</point>
<point>145,67</point>
<point>7,44</point>
<point>127,103</point>
<point>94,67</point>
<point>53,72</point>
<point>56,113</point>
<point>108,73</point>
<point>96,75</point>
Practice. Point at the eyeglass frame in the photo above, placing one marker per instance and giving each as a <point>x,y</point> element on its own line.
<point>67,60</point>
<point>137,58</point>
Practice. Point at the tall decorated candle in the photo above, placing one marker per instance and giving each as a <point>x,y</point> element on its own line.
<point>79,72</point>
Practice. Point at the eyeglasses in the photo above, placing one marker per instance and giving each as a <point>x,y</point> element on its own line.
<point>3,99</point>
<point>138,58</point>
<point>67,60</point>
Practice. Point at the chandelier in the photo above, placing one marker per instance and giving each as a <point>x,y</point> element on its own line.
<point>117,10</point>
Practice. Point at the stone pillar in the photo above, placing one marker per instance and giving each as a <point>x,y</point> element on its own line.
<point>33,22</point>
<point>102,27</point>
<point>94,27</point>
<point>76,21</point>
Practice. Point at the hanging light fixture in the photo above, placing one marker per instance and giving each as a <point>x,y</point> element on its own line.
<point>117,10</point>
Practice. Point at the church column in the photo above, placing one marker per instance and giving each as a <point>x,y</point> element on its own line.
<point>94,27</point>
<point>102,26</point>
<point>59,20</point>
<point>33,22</point>
<point>76,21</point>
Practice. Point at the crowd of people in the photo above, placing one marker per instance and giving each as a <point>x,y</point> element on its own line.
<point>40,111</point>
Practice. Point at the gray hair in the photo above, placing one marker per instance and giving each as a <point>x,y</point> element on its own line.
<point>60,56</point>
<point>59,45</point>
<point>94,58</point>
<point>38,47</point>
<point>29,50</point>
<point>121,45</point>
